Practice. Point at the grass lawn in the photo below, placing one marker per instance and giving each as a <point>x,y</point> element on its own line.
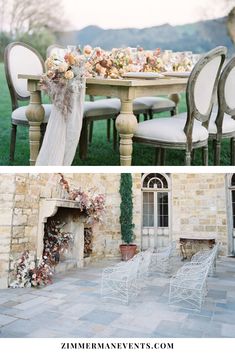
<point>100,151</point>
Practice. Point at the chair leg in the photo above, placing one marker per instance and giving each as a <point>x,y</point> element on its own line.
<point>217,149</point>
<point>108,129</point>
<point>192,155</point>
<point>205,155</point>
<point>173,112</point>
<point>83,142</point>
<point>157,156</point>
<point>187,158</point>
<point>150,114</point>
<point>13,141</point>
<point>138,118</point>
<point>233,151</point>
<point>91,125</point>
<point>163,156</point>
<point>145,116</point>
<point>115,135</point>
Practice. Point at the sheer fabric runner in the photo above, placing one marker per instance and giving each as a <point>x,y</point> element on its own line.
<point>63,132</point>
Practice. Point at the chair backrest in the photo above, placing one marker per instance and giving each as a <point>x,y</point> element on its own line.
<point>226,93</point>
<point>55,49</point>
<point>201,87</point>
<point>20,58</point>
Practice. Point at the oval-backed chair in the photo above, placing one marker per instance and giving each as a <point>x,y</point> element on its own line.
<point>189,130</point>
<point>20,58</point>
<point>222,121</point>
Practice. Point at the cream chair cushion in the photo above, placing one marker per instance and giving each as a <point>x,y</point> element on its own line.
<point>19,116</point>
<point>102,107</point>
<point>156,102</point>
<point>169,130</point>
<point>227,127</point>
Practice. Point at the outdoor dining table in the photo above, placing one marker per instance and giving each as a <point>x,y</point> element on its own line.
<point>125,89</point>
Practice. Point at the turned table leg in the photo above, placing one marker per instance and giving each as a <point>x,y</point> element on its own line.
<point>126,124</point>
<point>35,115</point>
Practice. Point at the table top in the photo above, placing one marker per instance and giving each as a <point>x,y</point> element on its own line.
<point>206,238</point>
<point>166,81</point>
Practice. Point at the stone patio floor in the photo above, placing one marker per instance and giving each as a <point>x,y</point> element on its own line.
<point>72,307</point>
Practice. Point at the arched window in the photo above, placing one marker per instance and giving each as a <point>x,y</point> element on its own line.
<point>155,210</point>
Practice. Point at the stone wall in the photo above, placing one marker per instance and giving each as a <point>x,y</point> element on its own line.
<point>199,206</point>
<point>7,196</point>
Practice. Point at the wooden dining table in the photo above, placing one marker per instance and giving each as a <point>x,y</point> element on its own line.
<point>125,89</point>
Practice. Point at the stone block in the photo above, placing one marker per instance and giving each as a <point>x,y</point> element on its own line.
<point>20,220</point>
<point>5,217</point>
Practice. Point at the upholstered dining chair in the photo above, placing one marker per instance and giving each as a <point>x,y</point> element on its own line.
<point>188,131</point>
<point>222,120</point>
<point>20,58</point>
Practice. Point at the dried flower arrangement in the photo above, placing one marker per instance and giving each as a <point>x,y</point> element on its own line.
<point>91,204</point>
<point>29,274</point>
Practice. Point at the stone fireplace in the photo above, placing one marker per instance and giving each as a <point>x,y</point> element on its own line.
<point>67,212</point>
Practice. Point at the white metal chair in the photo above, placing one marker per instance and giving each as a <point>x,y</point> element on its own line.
<point>188,287</point>
<point>207,256</point>
<point>222,120</point>
<point>144,266</point>
<point>189,132</point>
<point>20,58</point>
<point>161,260</point>
<point>120,282</point>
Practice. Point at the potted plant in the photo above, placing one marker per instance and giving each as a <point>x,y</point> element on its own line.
<point>127,249</point>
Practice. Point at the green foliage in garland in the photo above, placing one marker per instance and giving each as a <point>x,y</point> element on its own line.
<point>126,207</point>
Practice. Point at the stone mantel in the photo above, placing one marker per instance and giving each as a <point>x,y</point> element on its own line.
<point>48,207</point>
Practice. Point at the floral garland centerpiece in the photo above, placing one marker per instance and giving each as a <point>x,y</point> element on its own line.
<point>63,77</point>
<point>91,203</point>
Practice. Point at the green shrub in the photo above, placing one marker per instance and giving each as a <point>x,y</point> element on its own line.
<point>126,208</point>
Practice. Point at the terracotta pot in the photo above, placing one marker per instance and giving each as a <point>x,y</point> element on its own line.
<point>127,251</point>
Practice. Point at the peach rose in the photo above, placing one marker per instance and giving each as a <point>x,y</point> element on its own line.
<point>87,49</point>
<point>49,63</point>
<point>69,75</point>
<point>63,67</point>
<point>70,58</point>
<point>50,73</point>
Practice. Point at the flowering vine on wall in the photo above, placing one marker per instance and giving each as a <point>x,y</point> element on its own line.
<point>29,273</point>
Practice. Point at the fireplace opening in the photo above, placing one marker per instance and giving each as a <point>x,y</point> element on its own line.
<point>67,227</point>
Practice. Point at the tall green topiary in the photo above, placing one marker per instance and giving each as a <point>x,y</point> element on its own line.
<point>126,208</point>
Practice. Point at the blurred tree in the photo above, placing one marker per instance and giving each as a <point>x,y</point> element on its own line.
<point>33,22</point>
<point>26,16</point>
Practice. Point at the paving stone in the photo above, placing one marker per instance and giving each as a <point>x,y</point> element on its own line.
<point>100,317</point>
<point>31,303</point>
<point>228,330</point>
<point>5,319</point>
